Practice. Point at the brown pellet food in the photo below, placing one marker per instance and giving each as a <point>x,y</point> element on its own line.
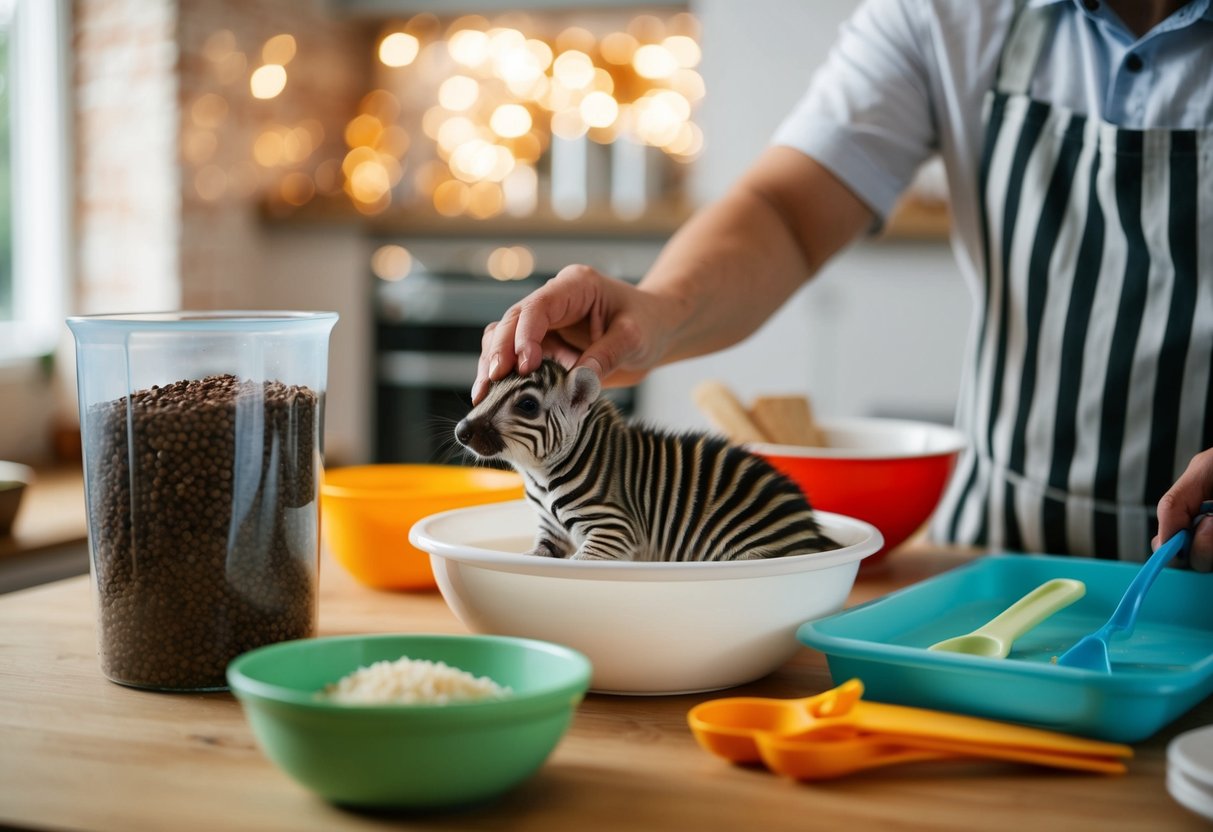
<point>203,521</point>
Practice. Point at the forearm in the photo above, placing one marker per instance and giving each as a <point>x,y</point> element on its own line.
<point>735,262</point>
<point>725,272</point>
<point>717,280</point>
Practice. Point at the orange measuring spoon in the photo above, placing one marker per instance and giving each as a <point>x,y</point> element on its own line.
<point>835,733</point>
<point>819,757</point>
<point>730,727</point>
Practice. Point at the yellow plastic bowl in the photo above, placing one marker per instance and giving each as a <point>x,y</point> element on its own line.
<point>367,511</point>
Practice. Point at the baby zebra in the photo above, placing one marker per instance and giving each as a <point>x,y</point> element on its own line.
<point>606,489</point>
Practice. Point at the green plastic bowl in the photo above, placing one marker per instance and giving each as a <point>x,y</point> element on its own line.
<point>409,756</point>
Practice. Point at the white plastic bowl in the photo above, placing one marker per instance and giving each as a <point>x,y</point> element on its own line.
<point>648,628</point>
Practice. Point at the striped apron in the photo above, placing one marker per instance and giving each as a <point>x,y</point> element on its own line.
<point>1088,385</point>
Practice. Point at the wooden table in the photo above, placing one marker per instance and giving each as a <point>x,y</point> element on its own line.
<point>79,752</point>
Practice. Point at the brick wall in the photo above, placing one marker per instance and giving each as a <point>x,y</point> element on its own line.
<point>168,183</point>
<point>223,255</point>
<point>169,189</point>
<point>127,180</point>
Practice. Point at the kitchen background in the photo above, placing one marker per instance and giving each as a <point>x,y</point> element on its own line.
<point>415,167</point>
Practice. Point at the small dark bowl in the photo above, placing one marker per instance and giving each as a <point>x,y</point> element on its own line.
<point>14,478</point>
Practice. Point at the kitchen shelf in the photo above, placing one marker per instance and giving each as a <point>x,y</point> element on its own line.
<point>659,223</point>
<point>393,8</point>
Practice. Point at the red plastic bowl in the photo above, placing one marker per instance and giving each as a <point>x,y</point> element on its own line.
<point>889,472</point>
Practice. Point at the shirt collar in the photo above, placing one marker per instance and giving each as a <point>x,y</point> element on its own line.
<point>1200,8</point>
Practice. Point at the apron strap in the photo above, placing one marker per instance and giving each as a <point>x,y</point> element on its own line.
<point>1021,51</point>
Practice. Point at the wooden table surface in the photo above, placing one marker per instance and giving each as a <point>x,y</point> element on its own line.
<point>79,752</point>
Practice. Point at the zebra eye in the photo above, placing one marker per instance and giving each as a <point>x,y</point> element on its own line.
<point>527,406</point>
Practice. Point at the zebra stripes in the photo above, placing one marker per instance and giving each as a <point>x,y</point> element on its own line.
<point>1089,385</point>
<point>608,489</point>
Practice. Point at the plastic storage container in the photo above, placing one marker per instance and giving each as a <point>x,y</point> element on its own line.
<point>202,447</point>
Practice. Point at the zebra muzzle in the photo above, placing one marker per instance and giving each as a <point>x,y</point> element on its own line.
<point>479,438</point>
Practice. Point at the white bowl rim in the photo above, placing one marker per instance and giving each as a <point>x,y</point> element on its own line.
<point>946,440</point>
<point>421,535</point>
<point>16,472</point>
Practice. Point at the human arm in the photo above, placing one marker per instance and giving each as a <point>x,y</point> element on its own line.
<point>718,279</point>
<point>1180,506</point>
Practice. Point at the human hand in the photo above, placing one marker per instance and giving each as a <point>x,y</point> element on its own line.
<point>1181,506</point>
<point>581,318</point>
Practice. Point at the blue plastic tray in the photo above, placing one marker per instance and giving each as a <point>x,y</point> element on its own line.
<point>1160,671</point>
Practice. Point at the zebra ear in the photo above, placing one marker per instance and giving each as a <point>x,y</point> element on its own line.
<point>584,387</point>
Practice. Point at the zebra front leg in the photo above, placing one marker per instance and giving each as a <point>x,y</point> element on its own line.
<point>551,542</point>
<point>546,547</point>
<point>602,546</point>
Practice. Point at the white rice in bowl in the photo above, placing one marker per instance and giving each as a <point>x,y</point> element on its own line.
<point>408,681</point>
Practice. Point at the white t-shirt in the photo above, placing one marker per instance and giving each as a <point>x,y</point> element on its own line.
<point>907,79</point>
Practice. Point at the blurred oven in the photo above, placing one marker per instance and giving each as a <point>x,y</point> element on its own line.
<point>429,322</point>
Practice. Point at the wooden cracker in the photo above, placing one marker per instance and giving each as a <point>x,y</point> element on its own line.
<point>716,401</point>
<point>788,420</point>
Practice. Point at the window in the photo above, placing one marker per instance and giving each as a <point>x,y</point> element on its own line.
<point>35,251</point>
<point>6,205</point>
<point>35,248</point>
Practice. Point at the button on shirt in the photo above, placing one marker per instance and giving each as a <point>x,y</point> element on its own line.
<point>907,79</point>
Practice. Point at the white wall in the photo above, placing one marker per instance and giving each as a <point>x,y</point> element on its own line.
<point>329,270</point>
<point>881,330</point>
<point>758,57</point>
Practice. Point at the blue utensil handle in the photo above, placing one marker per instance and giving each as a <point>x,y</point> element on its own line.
<point>1126,611</point>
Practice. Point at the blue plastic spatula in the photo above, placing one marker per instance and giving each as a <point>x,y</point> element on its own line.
<point>1091,651</point>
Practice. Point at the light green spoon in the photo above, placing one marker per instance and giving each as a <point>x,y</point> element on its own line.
<point>994,639</point>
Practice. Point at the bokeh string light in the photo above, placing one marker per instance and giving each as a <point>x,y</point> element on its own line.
<point>465,115</point>
<point>501,93</point>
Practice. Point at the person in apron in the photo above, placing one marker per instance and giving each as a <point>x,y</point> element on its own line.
<point>1087,388</point>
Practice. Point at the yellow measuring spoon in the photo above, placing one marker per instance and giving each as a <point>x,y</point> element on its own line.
<point>994,639</point>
